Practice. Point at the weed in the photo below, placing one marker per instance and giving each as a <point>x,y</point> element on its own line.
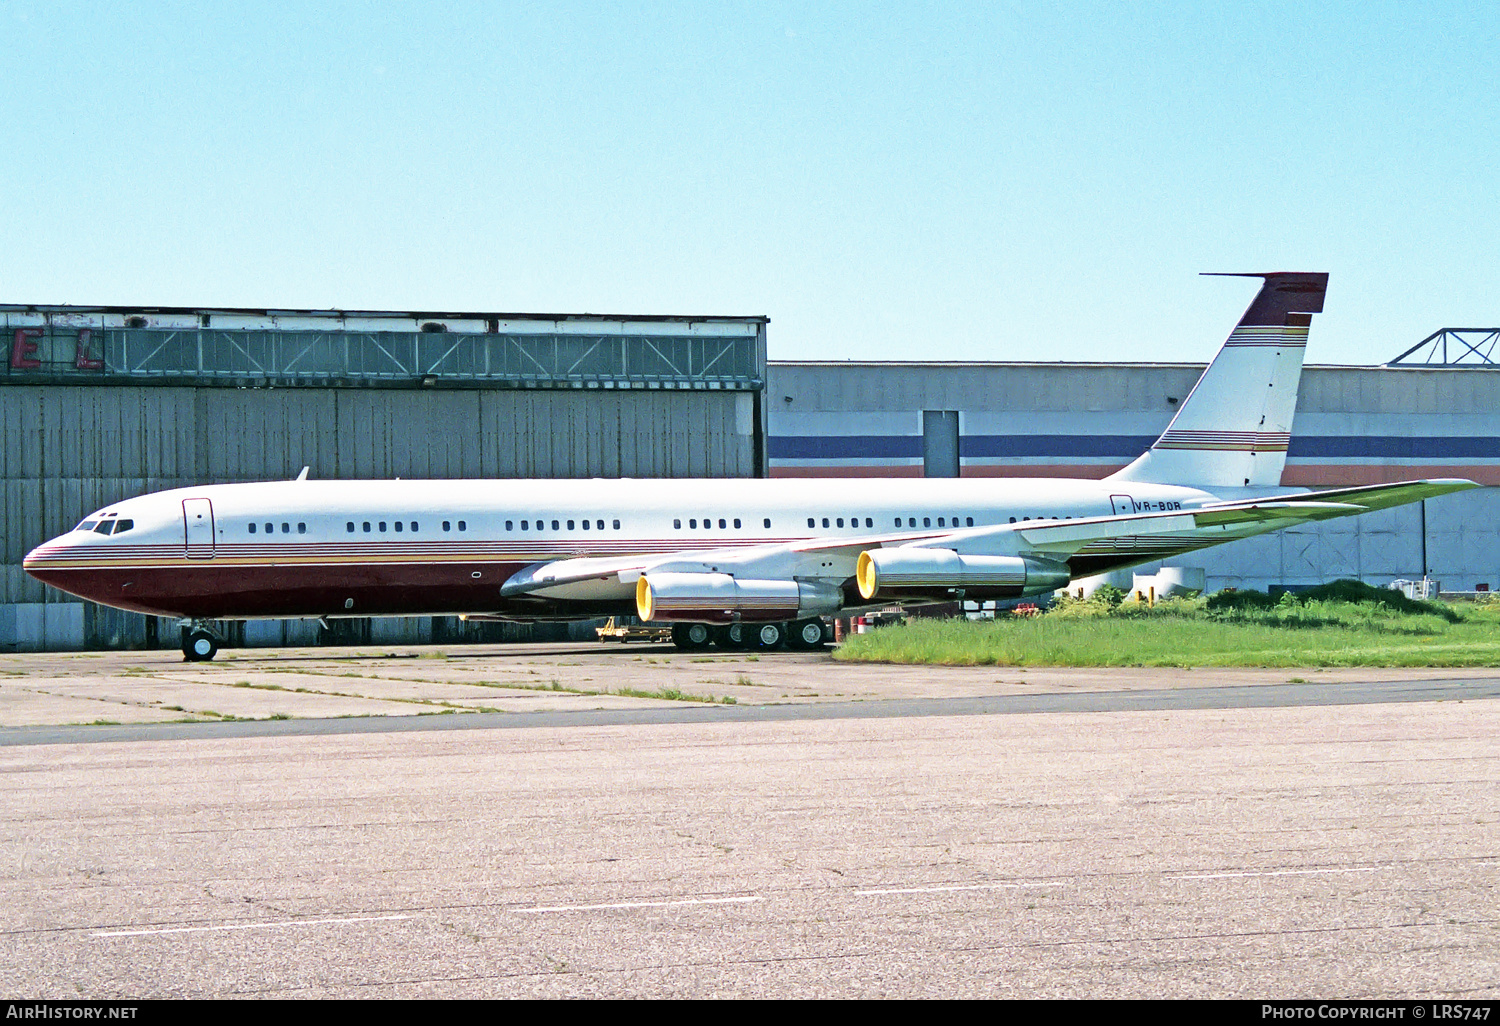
<point>667,694</point>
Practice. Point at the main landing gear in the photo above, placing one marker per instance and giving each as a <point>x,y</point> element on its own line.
<point>199,644</point>
<point>801,635</point>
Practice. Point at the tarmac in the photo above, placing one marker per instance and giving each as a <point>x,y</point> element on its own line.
<point>321,683</point>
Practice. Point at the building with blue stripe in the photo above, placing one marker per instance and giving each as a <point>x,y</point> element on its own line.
<point>1354,426</point>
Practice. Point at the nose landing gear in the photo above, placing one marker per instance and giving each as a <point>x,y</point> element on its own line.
<point>199,645</point>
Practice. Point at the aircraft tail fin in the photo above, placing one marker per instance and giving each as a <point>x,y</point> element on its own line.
<point>1233,429</point>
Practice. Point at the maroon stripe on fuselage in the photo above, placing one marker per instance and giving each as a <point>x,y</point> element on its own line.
<point>210,591</point>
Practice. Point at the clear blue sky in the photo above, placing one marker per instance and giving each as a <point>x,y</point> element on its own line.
<point>920,181</point>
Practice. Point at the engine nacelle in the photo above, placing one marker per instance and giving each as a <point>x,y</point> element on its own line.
<point>944,574</point>
<point>720,598</point>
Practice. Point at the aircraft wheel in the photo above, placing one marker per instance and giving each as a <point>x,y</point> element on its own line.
<point>690,637</point>
<point>199,646</point>
<point>806,635</point>
<point>731,637</point>
<point>766,636</point>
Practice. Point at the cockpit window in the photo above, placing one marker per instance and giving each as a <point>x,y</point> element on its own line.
<point>105,526</point>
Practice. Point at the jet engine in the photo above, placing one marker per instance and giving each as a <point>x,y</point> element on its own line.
<point>917,572</point>
<point>720,598</point>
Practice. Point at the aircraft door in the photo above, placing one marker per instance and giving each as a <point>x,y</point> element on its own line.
<point>198,528</point>
<point>1123,504</point>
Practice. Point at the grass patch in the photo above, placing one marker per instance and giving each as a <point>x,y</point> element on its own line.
<point>668,694</point>
<point>1345,623</point>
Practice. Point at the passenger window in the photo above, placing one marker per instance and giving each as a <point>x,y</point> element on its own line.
<point>382,527</point>
<point>693,523</point>
<point>447,525</point>
<point>414,526</point>
<point>926,521</point>
<point>617,525</point>
<point>940,522</point>
<point>825,521</point>
<point>768,521</point>
<point>869,522</point>
<point>252,528</point>
<point>599,525</point>
<point>398,527</point>
<point>911,521</point>
<point>464,526</point>
<point>810,522</point>
<point>270,528</point>
<point>736,523</point>
<point>722,523</point>
<point>968,521</point>
<point>286,528</point>
<point>677,524</point>
<point>840,521</point>
<point>510,525</point>
<point>367,527</point>
<point>525,525</point>
<point>898,521</point>
<point>301,528</point>
<point>349,527</point>
<point>570,525</point>
<point>1013,520</point>
<point>461,525</point>
<point>585,524</point>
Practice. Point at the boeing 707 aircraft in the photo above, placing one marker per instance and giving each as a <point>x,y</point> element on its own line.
<point>753,562</point>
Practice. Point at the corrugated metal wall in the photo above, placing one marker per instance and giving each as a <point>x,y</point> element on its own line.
<point>1354,425</point>
<point>70,450</point>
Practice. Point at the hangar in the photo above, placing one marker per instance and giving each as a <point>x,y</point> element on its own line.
<point>102,403</point>
<point>99,404</point>
<point>1434,411</point>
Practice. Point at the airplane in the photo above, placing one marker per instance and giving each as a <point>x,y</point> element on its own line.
<point>739,563</point>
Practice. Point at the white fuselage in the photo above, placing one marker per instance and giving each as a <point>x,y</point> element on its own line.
<point>332,548</point>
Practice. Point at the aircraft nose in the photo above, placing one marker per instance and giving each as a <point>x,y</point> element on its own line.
<point>40,559</point>
<point>35,557</point>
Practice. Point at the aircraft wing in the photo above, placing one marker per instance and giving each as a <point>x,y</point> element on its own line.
<point>1373,497</point>
<point>1207,525</point>
<point>833,558</point>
